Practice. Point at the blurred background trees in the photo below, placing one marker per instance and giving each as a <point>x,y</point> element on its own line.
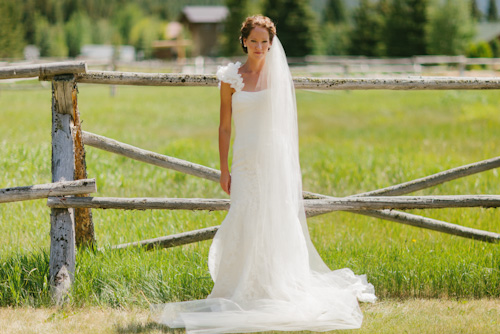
<point>380,28</point>
<point>238,11</point>
<point>11,29</point>
<point>365,37</point>
<point>296,25</point>
<point>404,29</point>
<point>451,28</point>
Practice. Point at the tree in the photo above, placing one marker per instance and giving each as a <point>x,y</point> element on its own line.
<point>12,33</point>
<point>405,28</point>
<point>232,25</point>
<point>335,12</point>
<point>474,10</point>
<point>52,10</point>
<point>450,28</point>
<point>50,39</point>
<point>78,32</point>
<point>28,20</point>
<point>492,11</point>
<point>335,39</point>
<point>126,18</point>
<point>366,34</point>
<point>295,23</point>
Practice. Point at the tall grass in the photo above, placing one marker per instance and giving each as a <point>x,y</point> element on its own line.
<point>350,142</point>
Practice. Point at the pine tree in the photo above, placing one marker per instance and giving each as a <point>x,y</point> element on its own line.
<point>492,11</point>
<point>474,10</point>
<point>295,23</point>
<point>366,35</point>
<point>237,14</point>
<point>335,12</point>
<point>405,28</point>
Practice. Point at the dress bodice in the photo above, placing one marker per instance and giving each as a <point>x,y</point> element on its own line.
<point>249,109</point>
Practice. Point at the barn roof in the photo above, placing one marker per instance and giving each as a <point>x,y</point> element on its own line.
<point>205,14</point>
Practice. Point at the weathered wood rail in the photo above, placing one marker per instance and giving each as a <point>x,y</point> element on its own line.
<point>71,218</point>
<point>329,204</point>
<point>422,83</point>
<point>153,158</point>
<point>39,191</point>
<point>44,71</point>
<point>173,240</point>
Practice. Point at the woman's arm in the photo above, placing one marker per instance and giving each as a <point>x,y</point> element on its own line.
<point>225,135</point>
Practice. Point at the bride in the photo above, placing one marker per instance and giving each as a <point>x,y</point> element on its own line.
<point>267,274</point>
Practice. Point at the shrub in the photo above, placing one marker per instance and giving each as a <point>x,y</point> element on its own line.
<point>144,32</point>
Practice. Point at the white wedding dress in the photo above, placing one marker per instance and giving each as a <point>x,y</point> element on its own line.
<point>267,274</point>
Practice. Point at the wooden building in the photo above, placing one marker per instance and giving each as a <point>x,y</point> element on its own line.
<point>205,23</point>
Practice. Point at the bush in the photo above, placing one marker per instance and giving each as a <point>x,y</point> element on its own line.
<point>479,50</point>
<point>143,34</point>
<point>495,47</point>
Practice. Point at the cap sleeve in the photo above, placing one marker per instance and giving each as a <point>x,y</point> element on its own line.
<point>229,74</point>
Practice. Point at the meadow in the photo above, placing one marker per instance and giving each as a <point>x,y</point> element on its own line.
<point>350,142</point>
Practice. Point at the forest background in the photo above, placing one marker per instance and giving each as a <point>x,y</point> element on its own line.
<point>378,28</point>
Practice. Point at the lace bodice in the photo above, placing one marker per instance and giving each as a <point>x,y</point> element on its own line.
<point>230,75</point>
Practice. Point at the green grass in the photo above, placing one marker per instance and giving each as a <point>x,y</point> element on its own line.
<point>350,142</point>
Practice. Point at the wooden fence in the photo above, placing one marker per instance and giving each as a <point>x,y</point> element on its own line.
<point>323,65</point>
<point>68,194</point>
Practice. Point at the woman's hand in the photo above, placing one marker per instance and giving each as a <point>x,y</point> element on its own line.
<point>225,182</point>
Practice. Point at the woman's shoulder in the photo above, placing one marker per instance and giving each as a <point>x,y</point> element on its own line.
<point>230,75</point>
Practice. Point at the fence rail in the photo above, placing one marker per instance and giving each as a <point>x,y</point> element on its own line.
<point>418,83</point>
<point>42,70</point>
<point>350,203</point>
<point>38,191</point>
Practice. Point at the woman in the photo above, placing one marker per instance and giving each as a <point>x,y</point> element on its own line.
<point>267,274</point>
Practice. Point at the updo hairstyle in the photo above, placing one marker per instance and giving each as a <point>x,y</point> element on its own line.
<point>256,21</point>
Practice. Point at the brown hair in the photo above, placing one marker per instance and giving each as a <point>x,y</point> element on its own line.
<point>256,21</point>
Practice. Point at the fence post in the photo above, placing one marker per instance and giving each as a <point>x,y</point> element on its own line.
<point>62,229</point>
<point>462,65</point>
<point>84,227</point>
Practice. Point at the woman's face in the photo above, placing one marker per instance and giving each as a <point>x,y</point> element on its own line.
<point>258,42</point>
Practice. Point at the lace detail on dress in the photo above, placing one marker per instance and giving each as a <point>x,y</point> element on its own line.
<point>229,74</point>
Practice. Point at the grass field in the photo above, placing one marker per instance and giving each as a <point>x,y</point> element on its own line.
<point>350,142</point>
